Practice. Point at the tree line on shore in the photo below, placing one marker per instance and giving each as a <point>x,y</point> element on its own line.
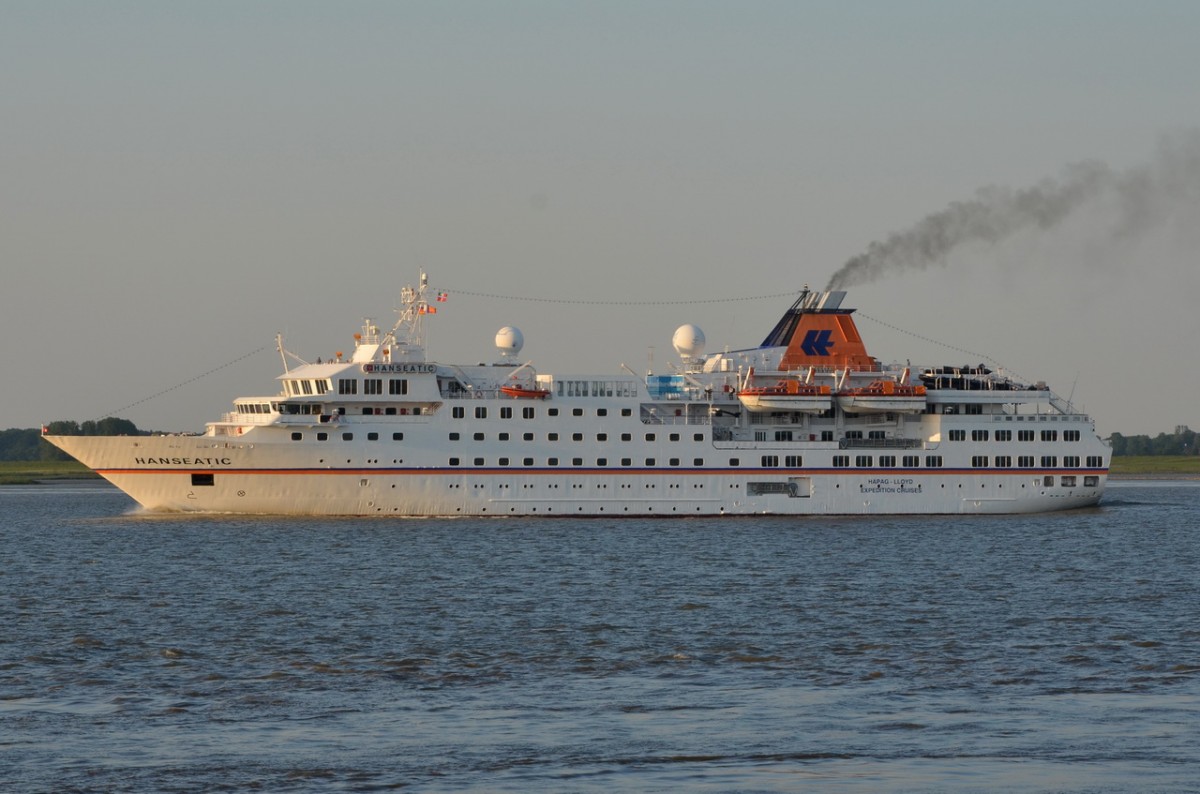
<point>26,444</point>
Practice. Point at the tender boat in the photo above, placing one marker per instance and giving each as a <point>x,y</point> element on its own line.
<point>787,394</point>
<point>881,397</point>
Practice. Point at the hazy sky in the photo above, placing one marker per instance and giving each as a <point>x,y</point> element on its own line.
<point>181,180</point>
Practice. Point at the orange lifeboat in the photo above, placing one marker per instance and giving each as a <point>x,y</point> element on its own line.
<point>525,392</point>
<point>882,396</point>
<point>789,394</point>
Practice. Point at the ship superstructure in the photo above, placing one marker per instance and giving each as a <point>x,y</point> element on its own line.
<point>806,423</point>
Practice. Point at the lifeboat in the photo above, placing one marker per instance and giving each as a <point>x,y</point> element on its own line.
<point>524,392</point>
<point>882,396</point>
<point>787,395</point>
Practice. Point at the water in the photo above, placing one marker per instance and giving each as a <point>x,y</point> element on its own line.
<point>1048,653</point>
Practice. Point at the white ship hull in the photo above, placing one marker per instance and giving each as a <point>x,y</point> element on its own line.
<point>385,434</point>
<point>254,474</point>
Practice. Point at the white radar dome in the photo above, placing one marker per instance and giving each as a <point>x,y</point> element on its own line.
<point>688,341</point>
<point>509,341</point>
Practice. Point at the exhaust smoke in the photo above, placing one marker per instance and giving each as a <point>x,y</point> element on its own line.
<point>1144,197</point>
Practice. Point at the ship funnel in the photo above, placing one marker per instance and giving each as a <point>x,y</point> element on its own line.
<point>817,301</point>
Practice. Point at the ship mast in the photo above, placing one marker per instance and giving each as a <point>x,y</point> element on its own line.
<point>407,335</point>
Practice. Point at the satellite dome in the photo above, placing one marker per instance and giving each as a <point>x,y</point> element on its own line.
<point>509,341</point>
<point>688,341</point>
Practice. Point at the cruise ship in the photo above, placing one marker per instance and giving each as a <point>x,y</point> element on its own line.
<point>806,423</point>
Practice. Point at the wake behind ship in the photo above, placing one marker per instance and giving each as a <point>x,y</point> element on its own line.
<point>807,423</point>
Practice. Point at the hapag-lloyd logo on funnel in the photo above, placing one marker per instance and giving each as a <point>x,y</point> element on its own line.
<point>817,343</point>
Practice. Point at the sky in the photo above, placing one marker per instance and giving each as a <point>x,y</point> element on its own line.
<point>181,181</point>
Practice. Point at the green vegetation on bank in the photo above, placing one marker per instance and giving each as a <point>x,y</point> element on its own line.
<point>1181,442</point>
<point>1150,466</point>
<point>25,472</point>
<point>27,444</point>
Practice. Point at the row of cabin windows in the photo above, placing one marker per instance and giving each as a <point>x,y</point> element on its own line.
<point>579,462</point>
<point>597,388</point>
<point>324,436</point>
<point>396,386</point>
<point>368,410</point>
<point>309,387</point>
<point>574,436</point>
<point>887,461</point>
<point>527,412</point>
<point>1022,435</point>
<point>977,461</point>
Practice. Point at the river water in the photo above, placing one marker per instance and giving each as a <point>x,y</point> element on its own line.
<point>1056,652</point>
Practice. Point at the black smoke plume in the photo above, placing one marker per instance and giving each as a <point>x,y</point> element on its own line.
<point>1144,197</point>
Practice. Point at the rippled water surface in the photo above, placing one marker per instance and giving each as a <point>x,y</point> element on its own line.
<point>1051,653</point>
